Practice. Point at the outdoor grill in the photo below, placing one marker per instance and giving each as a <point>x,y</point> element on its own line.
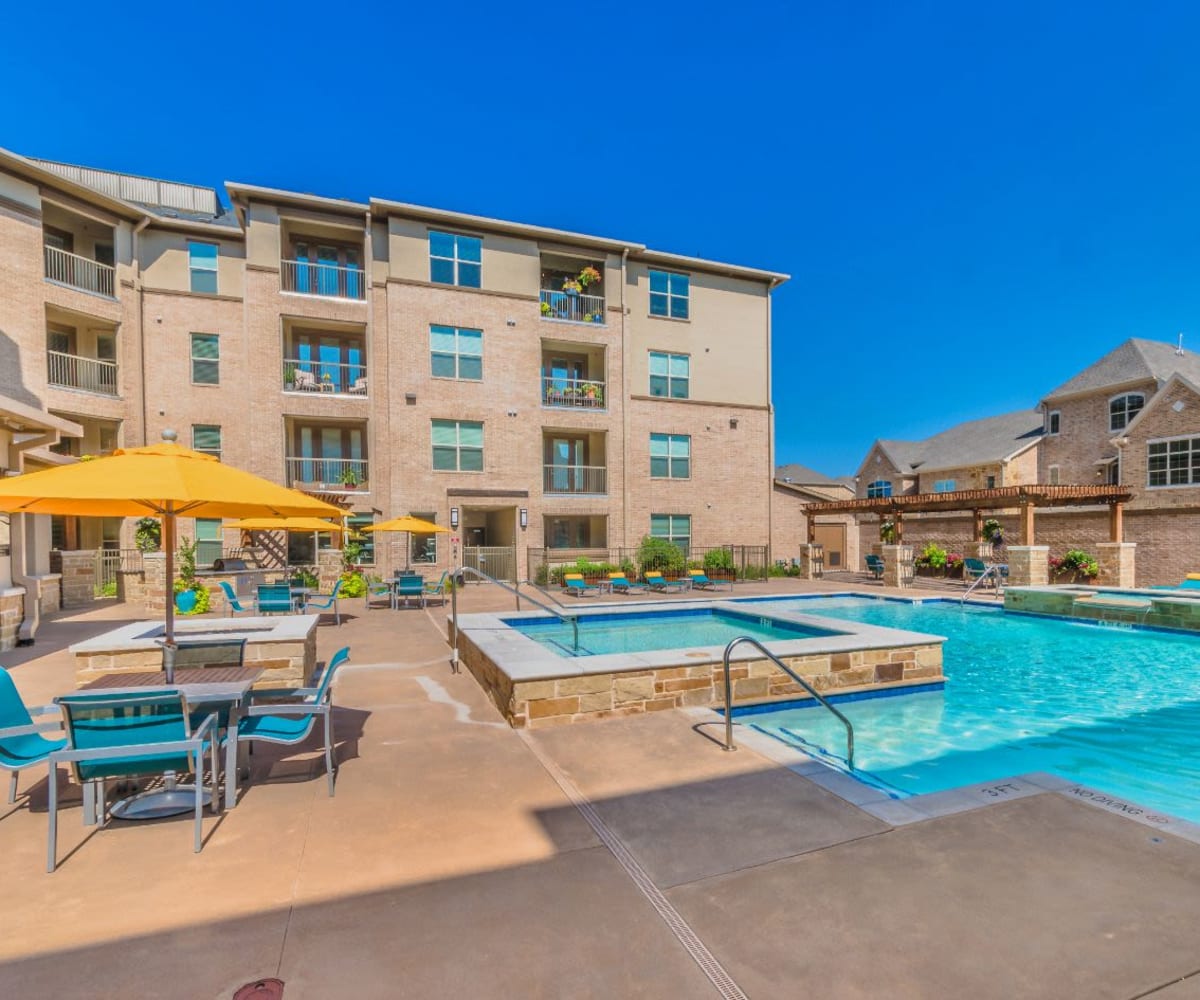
<point>229,565</point>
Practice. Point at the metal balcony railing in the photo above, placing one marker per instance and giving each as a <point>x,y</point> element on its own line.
<point>327,475</point>
<point>70,371</point>
<point>324,376</point>
<point>574,307</point>
<point>314,278</point>
<point>79,272</point>
<point>587,394</point>
<point>574,479</point>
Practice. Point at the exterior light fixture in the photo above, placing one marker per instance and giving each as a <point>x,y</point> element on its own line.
<point>454,517</point>
<point>524,518</point>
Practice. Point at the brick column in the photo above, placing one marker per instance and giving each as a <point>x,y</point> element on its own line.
<point>329,568</point>
<point>1116,564</point>
<point>78,577</point>
<point>808,564</point>
<point>897,565</point>
<point>1028,565</point>
<point>155,588</point>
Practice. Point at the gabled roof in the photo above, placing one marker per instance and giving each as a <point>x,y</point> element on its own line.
<point>802,475</point>
<point>976,442</point>
<point>1133,361</point>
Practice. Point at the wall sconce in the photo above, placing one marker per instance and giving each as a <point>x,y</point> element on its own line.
<point>524,518</point>
<point>454,517</point>
<point>410,398</point>
<point>733,421</point>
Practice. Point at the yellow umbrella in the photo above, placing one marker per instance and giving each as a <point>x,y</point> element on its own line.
<point>165,480</point>
<point>413,525</point>
<point>299,524</point>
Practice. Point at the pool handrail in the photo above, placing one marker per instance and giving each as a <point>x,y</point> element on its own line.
<point>993,571</point>
<point>573,620</point>
<point>729,744</point>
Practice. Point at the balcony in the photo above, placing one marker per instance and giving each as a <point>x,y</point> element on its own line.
<point>327,475</point>
<point>572,307</point>
<point>570,289</point>
<point>332,377</point>
<point>79,272</point>
<point>305,277</point>
<point>571,480</point>
<point>582,394</point>
<point>72,371</point>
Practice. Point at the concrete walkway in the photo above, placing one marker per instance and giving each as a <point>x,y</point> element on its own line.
<point>607,859</point>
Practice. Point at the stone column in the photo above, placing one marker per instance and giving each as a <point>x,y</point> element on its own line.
<point>979,550</point>
<point>78,577</point>
<point>1028,565</point>
<point>897,565</point>
<point>329,568</point>
<point>811,561</point>
<point>154,591</point>
<point>1116,564</point>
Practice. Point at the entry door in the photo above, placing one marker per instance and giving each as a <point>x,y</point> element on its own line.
<point>476,537</point>
<point>832,537</point>
<point>567,455</point>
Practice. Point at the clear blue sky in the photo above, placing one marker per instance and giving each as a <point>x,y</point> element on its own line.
<point>974,204</point>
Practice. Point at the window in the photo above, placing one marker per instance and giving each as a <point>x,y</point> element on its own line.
<point>208,540</point>
<point>670,456</point>
<point>1123,409</point>
<point>991,483</point>
<point>206,359</point>
<point>669,294</point>
<point>943,486</point>
<point>675,528</point>
<point>355,523</point>
<point>206,438</point>
<point>1174,463</point>
<point>423,548</point>
<point>455,260</point>
<point>457,446</point>
<point>1053,474</point>
<point>456,353</point>
<point>1053,421</point>
<point>669,374</point>
<point>202,263</point>
<point>879,488</point>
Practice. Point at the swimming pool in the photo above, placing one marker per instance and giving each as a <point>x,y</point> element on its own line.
<point>600,634</point>
<point>1114,708</point>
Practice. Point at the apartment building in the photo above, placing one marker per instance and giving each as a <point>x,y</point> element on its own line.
<point>525,386</point>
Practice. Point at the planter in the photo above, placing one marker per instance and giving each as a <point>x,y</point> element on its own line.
<point>185,602</point>
<point>597,318</point>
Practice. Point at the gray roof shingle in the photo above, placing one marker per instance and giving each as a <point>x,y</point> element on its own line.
<point>975,442</point>
<point>1133,361</point>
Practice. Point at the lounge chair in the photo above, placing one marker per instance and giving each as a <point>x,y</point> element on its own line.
<point>410,588</point>
<point>131,736</point>
<point>875,566</point>
<point>973,569</point>
<point>574,583</point>
<point>701,581</point>
<point>231,599</point>
<point>325,602</point>
<point>360,386</point>
<point>380,590</point>
<point>22,744</point>
<point>659,584</point>
<point>621,585</point>
<point>437,589</point>
<point>1189,582</point>
<point>273,599</point>
<point>289,722</point>
<point>306,381</point>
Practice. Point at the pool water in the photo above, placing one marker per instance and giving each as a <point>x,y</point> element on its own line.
<point>1117,709</point>
<point>640,633</point>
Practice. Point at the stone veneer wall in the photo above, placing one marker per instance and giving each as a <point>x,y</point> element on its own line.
<point>78,570</point>
<point>600,696</point>
<point>1136,609</point>
<point>12,613</point>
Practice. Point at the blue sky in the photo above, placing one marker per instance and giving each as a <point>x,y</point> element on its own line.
<point>973,203</point>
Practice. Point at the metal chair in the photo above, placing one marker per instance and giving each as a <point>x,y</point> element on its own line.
<point>323,602</point>
<point>231,599</point>
<point>21,744</point>
<point>438,588</point>
<point>410,588</point>
<point>380,589</point>
<point>273,598</point>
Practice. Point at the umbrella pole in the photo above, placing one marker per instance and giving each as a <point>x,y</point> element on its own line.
<point>169,629</point>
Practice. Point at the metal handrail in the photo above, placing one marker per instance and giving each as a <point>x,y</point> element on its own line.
<point>992,571</point>
<point>456,573</point>
<point>794,676</point>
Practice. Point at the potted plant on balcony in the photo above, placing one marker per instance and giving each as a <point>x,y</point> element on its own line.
<point>571,286</point>
<point>326,382</point>
<point>289,378</point>
<point>349,477</point>
<point>588,276</point>
<point>545,307</point>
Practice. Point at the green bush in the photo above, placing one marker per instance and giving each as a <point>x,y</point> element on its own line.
<point>106,589</point>
<point>661,555</point>
<point>1080,562</point>
<point>148,535</point>
<point>542,576</point>
<point>754,572</point>
<point>306,577</point>
<point>777,570</point>
<point>718,561</point>
<point>933,556</point>
<point>353,585</point>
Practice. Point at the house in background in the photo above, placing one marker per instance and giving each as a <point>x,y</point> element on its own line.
<point>795,486</point>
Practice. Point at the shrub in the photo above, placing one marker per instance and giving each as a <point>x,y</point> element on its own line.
<point>887,532</point>
<point>775,569</point>
<point>659,554</point>
<point>718,561</point>
<point>148,535</point>
<point>991,528</point>
<point>353,584</point>
<point>933,556</point>
<point>753,572</point>
<point>306,577</point>
<point>1080,562</point>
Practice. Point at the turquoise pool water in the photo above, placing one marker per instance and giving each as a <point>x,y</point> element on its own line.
<point>1114,708</point>
<point>639,633</point>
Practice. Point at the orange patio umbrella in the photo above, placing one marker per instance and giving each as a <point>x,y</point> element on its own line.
<point>413,525</point>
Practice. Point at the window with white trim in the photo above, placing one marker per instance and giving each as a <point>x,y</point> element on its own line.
<point>943,486</point>
<point>669,294</point>
<point>206,438</point>
<point>670,374</point>
<point>456,352</point>
<point>206,359</point>
<point>675,528</point>
<point>1053,421</point>
<point>457,446</point>
<point>1122,410</point>
<point>202,266</point>
<point>879,488</point>
<point>455,259</point>
<point>1173,462</point>
<point>1052,472</point>
<point>670,456</point>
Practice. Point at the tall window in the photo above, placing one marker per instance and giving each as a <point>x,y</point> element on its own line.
<point>943,486</point>
<point>669,294</point>
<point>670,456</point>
<point>1053,421</point>
<point>879,488</point>
<point>356,523</point>
<point>208,540</point>
<point>455,260</point>
<point>423,548</point>
<point>457,446</point>
<point>202,263</point>
<point>206,359</point>
<point>675,528</point>
<point>206,438</point>
<point>1053,473</point>
<point>1123,409</point>
<point>456,353</point>
<point>1173,463</point>
<point>669,374</point>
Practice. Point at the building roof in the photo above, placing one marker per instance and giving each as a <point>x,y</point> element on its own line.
<point>976,442</point>
<point>1133,361</point>
<point>802,475</point>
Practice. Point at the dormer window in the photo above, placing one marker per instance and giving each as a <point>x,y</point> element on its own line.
<point>879,488</point>
<point>1053,421</point>
<point>1123,409</point>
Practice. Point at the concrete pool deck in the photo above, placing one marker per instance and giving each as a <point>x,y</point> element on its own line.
<point>461,857</point>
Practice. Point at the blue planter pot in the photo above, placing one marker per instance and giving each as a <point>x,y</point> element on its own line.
<point>185,601</point>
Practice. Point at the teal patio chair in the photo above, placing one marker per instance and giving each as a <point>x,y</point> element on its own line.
<point>131,736</point>
<point>289,722</point>
<point>437,589</point>
<point>410,588</point>
<point>659,583</point>
<point>324,602</point>
<point>620,584</point>
<point>231,599</point>
<point>574,583</point>
<point>22,744</point>
<point>1189,582</point>
<point>973,569</point>
<point>380,590</point>
<point>273,599</point>
<point>701,581</point>
<point>875,566</point>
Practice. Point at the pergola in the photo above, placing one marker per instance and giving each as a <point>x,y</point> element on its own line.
<point>1024,498</point>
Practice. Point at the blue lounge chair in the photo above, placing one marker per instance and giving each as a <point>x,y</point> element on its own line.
<point>574,583</point>
<point>131,736</point>
<point>22,744</point>
<point>438,588</point>
<point>621,585</point>
<point>323,602</point>
<point>973,569</point>
<point>1189,582</point>
<point>660,584</point>
<point>410,588</point>
<point>875,566</point>
<point>701,581</point>
<point>289,723</point>
<point>273,599</point>
<point>231,599</point>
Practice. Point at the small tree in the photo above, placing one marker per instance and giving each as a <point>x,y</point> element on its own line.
<point>660,554</point>
<point>148,534</point>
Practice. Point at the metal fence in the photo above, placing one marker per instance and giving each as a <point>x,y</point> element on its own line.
<point>575,307</point>
<point>301,375</point>
<point>110,563</point>
<point>497,561</point>
<point>72,371</point>
<point>747,562</point>
<point>79,272</point>
<point>318,278</point>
